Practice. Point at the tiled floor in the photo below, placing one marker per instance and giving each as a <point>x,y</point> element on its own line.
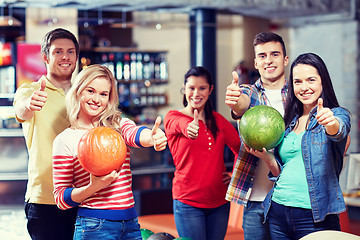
<point>12,216</point>
<point>13,223</point>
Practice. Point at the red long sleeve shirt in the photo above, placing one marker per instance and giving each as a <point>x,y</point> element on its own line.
<point>199,163</point>
<point>114,202</point>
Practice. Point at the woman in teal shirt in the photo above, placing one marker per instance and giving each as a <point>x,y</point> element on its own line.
<point>306,196</point>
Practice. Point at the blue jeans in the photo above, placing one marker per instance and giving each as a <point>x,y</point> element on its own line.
<point>87,228</point>
<point>201,223</point>
<point>294,223</point>
<point>46,222</point>
<point>254,228</point>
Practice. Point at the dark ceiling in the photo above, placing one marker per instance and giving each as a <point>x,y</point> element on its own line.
<point>271,9</point>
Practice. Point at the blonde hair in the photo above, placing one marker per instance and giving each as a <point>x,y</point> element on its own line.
<point>110,117</point>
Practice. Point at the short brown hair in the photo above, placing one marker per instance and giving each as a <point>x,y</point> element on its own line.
<point>265,37</point>
<point>57,34</point>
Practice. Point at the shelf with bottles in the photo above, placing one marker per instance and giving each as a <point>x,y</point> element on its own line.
<point>7,81</point>
<point>130,66</point>
<point>9,127</point>
<point>142,75</point>
<point>142,94</point>
<point>7,70</point>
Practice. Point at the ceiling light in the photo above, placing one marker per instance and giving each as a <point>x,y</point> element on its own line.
<point>9,21</point>
<point>100,17</point>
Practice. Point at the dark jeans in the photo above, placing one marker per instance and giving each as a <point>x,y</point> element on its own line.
<point>88,228</point>
<point>295,223</point>
<point>48,222</point>
<point>201,223</point>
<point>253,222</point>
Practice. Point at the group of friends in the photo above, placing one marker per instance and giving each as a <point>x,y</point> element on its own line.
<point>288,192</point>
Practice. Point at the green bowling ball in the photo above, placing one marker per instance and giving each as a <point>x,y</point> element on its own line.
<point>262,127</point>
<point>146,233</point>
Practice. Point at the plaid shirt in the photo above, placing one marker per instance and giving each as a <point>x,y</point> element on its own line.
<point>244,169</point>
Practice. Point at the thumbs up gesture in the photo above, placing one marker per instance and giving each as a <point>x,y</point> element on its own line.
<point>233,92</point>
<point>158,136</point>
<point>326,118</point>
<point>38,98</point>
<point>234,98</point>
<point>193,128</point>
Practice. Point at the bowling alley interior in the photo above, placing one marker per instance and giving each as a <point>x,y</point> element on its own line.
<point>149,46</point>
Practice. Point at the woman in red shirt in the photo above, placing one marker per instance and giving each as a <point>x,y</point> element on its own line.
<point>197,136</point>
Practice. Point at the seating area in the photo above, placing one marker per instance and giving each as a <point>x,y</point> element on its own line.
<point>166,223</point>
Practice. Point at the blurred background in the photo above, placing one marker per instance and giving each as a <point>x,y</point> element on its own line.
<point>149,45</point>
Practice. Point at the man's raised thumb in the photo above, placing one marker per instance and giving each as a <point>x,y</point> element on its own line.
<point>43,85</point>
<point>235,78</point>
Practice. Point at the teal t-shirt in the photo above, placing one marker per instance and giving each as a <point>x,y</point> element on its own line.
<point>291,189</point>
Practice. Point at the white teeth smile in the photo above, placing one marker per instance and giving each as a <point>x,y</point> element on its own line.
<point>270,68</point>
<point>94,106</point>
<point>65,65</point>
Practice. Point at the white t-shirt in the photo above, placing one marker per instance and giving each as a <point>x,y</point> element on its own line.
<point>262,185</point>
<point>275,100</point>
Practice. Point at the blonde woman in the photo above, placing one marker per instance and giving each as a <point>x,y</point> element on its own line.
<point>106,205</point>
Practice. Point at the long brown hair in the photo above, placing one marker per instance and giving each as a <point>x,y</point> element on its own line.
<point>209,117</point>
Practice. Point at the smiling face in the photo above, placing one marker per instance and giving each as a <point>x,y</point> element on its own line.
<point>94,98</point>
<point>197,92</point>
<point>270,61</point>
<point>307,85</point>
<point>62,58</point>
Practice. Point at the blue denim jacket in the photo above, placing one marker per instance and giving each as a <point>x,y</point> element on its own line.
<point>323,158</point>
